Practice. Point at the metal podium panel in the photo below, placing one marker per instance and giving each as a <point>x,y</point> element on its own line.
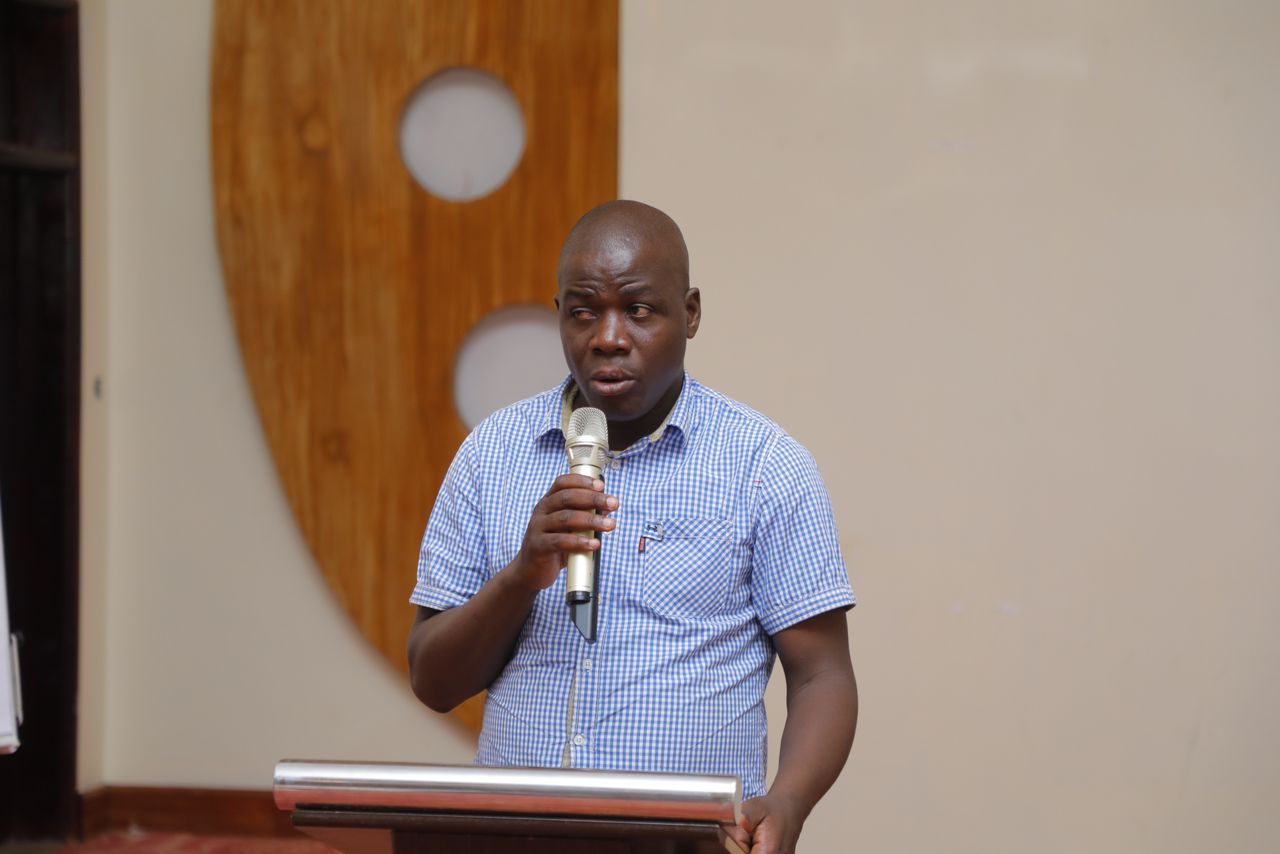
<point>532,791</point>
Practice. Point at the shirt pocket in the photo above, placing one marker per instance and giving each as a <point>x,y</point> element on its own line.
<point>689,566</point>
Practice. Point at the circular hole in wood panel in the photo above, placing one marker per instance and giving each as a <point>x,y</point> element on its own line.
<point>511,354</point>
<point>462,134</point>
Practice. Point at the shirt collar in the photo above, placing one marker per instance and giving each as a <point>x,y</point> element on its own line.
<point>561,405</point>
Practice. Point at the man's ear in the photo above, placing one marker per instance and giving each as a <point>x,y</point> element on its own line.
<point>693,311</point>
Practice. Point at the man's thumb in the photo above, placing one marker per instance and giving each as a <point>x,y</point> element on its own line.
<point>752,812</point>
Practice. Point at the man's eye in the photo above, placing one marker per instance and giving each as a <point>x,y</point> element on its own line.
<point>581,314</point>
<point>640,311</point>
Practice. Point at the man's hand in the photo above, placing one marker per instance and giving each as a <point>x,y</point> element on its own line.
<point>575,504</point>
<point>457,653</point>
<point>769,825</point>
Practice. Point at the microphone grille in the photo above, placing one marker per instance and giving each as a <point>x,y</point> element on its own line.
<point>588,421</point>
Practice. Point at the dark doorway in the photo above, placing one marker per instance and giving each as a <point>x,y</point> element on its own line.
<point>40,402</point>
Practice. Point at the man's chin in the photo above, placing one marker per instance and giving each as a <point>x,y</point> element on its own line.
<point>618,412</point>
<point>617,408</point>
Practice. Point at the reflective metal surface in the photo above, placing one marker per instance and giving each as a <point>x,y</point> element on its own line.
<point>543,791</point>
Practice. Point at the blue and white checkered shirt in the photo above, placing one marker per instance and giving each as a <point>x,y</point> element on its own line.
<point>724,537</point>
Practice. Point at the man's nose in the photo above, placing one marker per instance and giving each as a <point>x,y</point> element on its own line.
<point>611,334</point>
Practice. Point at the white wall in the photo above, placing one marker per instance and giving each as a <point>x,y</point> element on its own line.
<point>1008,269</point>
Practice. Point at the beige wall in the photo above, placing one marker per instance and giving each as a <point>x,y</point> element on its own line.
<point>1010,271</point>
<point>91,721</point>
<point>222,649</point>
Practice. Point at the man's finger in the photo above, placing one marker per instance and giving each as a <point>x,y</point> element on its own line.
<point>740,835</point>
<point>752,812</point>
<point>764,842</point>
<point>563,543</point>
<point>576,481</point>
<point>576,520</point>
<point>579,499</point>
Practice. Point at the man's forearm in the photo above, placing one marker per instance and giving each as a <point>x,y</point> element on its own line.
<point>822,714</point>
<point>456,654</point>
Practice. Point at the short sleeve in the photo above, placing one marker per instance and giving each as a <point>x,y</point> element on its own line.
<point>797,570</point>
<point>452,560</point>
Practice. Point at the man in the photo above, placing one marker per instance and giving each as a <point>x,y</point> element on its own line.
<point>717,547</point>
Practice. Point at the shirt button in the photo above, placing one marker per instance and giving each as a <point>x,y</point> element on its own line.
<point>615,465</point>
<point>579,740</point>
<point>587,663</point>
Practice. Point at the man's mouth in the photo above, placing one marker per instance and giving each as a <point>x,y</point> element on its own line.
<point>611,383</point>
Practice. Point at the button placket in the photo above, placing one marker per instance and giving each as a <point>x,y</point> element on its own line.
<point>585,704</point>
<point>587,670</point>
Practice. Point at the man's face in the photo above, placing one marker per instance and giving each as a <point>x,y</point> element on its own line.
<point>625,314</point>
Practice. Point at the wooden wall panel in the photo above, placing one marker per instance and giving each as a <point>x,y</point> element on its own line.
<point>352,287</point>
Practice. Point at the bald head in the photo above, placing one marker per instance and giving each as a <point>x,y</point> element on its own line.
<point>633,227</point>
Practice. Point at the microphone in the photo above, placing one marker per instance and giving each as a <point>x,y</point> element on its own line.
<point>587,443</point>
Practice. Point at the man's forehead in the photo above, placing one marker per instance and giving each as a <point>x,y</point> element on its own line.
<point>610,237</point>
<point>610,254</point>
<point>624,271</point>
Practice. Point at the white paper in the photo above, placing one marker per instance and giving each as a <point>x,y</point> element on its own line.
<point>9,697</point>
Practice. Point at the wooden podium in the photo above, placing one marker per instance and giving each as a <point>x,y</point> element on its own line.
<point>397,808</point>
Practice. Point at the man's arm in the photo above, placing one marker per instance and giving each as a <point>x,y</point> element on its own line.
<point>457,653</point>
<point>822,713</point>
